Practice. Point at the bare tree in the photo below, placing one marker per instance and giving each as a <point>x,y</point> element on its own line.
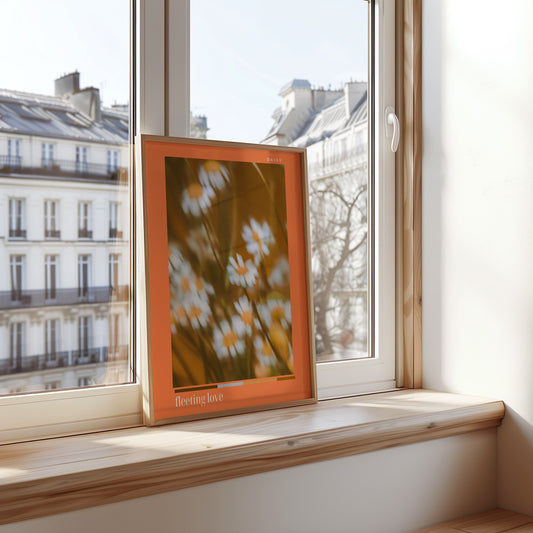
<point>338,213</point>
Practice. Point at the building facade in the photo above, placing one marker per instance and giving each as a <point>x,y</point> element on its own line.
<point>64,239</point>
<point>333,126</point>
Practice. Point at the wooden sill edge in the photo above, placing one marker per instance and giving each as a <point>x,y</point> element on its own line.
<point>59,475</point>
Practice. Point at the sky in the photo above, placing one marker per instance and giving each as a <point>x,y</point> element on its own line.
<point>242,52</point>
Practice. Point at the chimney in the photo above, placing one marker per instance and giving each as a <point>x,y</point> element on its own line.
<point>353,92</point>
<point>67,84</point>
<point>88,102</point>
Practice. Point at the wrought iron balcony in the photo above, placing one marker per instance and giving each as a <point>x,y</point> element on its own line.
<point>17,233</point>
<point>114,233</point>
<point>15,299</point>
<point>62,168</point>
<point>84,233</point>
<point>63,359</point>
<point>52,234</point>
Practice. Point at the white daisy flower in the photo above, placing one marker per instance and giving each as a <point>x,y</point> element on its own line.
<point>228,341</point>
<point>244,308</point>
<point>203,289</point>
<point>266,318</point>
<point>213,174</point>
<point>198,313</point>
<point>197,199</point>
<point>264,352</point>
<point>280,273</point>
<point>242,273</point>
<point>180,315</point>
<point>257,237</point>
<point>280,311</point>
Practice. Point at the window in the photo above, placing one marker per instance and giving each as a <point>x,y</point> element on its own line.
<point>84,221</point>
<point>59,279</point>
<point>17,218</point>
<point>112,161</point>
<point>114,343</point>
<point>84,338</point>
<point>17,341</point>
<point>50,277</point>
<point>51,333</point>
<point>114,233</point>
<point>51,224</point>
<point>13,153</point>
<point>85,381</point>
<point>17,267</point>
<point>47,155</point>
<point>339,119</point>
<point>113,272</point>
<point>162,107</point>
<point>84,275</point>
<point>81,160</point>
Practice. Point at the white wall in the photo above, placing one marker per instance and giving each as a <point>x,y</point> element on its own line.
<point>389,491</point>
<point>478,217</point>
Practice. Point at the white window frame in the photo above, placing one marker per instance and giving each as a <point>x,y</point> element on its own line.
<point>17,269</point>
<point>17,217</point>
<point>162,83</point>
<point>51,266</point>
<point>51,338</point>
<point>113,271</point>
<point>112,160</point>
<point>84,275</point>
<point>51,217</point>
<point>17,341</point>
<point>85,219</point>
<point>47,154</point>
<point>377,373</point>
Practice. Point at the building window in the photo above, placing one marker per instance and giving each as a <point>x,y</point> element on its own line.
<point>13,153</point>
<point>52,385</point>
<point>114,233</point>
<point>84,336</point>
<point>81,160</point>
<point>17,218</point>
<point>51,333</point>
<point>84,273</point>
<point>47,155</point>
<point>85,381</point>
<point>17,338</point>
<point>51,223</point>
<point>84,221</point>
<point>112,161</point>
<point>50,277</point>
<point>113,272</point>
<point>113,344</point>
<point>17,265</point>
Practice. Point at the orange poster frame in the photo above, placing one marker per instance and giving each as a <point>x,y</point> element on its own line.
<point>200,367</point>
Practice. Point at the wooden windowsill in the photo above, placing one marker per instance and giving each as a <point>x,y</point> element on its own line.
<point>56,475</point>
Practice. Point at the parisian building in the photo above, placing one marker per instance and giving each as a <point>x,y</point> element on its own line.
<point>333,126</point>
<point>64,238</point>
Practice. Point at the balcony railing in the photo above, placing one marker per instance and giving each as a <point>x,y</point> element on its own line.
<point>64,168</point>
<point>114,233</point>
<point>52,234</point>
<point>84,233</point>
<point>16,233</point>
<point>63,359</point>
<point>42,297</point>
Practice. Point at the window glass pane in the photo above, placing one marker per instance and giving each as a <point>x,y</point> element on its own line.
<point>295,74</point>
<point>64,156</point>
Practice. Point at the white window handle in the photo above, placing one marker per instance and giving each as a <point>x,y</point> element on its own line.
<point>392,120</point>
